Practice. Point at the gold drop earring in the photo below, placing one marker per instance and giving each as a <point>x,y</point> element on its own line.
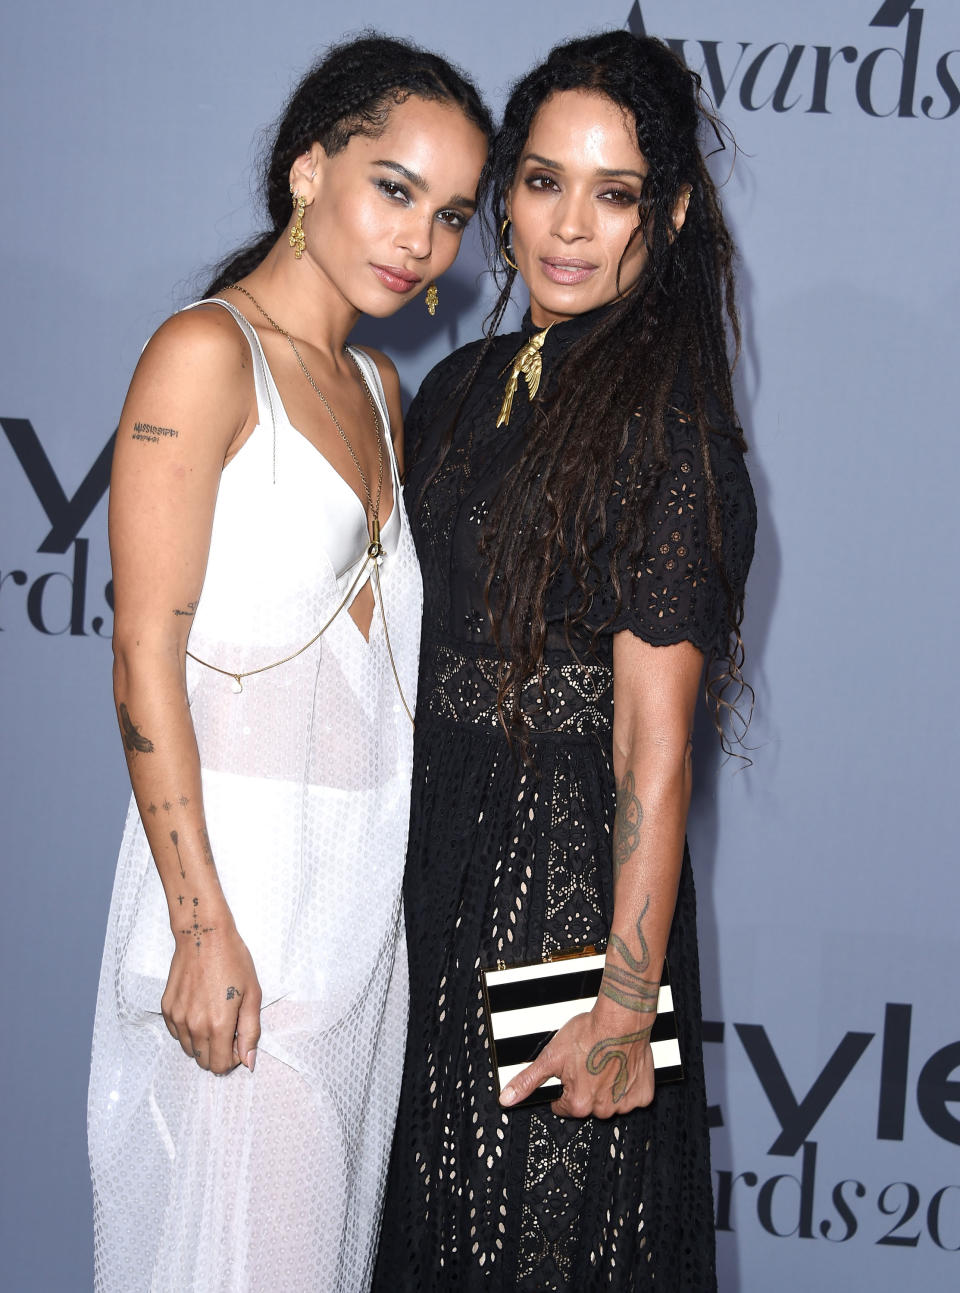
<point>297,239</point>
<point>432,299</point>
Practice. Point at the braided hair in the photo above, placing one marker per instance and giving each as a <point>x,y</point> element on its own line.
<point>350,91</point>
<point>672,326</point>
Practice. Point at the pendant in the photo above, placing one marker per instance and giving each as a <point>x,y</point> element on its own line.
<point>375,547</point>
<point>528,362</point>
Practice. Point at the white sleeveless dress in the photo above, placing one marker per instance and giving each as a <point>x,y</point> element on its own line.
<point>272,1180</point>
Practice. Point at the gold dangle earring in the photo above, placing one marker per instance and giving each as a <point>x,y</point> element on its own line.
<point>432,299</point>
<point>297,239</point>
<point>504,244</point>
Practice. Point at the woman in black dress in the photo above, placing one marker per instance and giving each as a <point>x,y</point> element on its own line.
<point>585,541</point>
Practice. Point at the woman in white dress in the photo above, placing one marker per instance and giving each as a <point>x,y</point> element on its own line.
<point>252,1007</point>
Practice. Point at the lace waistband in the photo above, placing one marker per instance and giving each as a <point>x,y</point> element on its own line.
<point>569,698</point>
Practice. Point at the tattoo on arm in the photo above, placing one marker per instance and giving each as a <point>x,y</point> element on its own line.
<point>637,964</point>
<point>176,844</point>
<point>150,434</point>
<point>626,823</point>
<point>197,929</point>
<point>133,738</point>
<point>205,841</point>
<point>191,608</point>
<point>630,988</point>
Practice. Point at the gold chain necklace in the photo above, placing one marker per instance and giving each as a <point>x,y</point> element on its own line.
<point>373,509</point>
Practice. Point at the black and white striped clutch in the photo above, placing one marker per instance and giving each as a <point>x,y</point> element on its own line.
<point>526,1004</point>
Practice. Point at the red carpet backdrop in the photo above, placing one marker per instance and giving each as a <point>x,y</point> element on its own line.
<point>826,871</point>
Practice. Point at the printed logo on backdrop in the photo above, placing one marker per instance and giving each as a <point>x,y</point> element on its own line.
<point>56,601</point>
<point>895,1213</point>
<point>906,79</point>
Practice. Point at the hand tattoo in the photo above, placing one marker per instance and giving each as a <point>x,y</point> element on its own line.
<point>626,823</point>
<point>611,1051</point>
<point>133,739</point>
<point>233,992</point>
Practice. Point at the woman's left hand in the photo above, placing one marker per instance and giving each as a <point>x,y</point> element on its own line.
<point>603,1059</point>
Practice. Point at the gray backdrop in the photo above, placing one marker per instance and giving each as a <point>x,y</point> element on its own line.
<point>826,871</point>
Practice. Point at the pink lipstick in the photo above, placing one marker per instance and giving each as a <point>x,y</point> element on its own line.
<point>397,279</point>
<point>565,270</point>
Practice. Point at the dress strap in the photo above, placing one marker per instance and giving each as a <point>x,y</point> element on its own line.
<point>268,397</point>
<point>371,375</point>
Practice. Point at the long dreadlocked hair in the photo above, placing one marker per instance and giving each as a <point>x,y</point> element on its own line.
<point>349,92</point>
<point>675,319</point>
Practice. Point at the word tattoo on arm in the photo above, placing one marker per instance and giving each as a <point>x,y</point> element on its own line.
<point>151,434</point>
<point>207,850</point>
<point>626,823</point>
<point>191,608</point>
<point>133,738</point>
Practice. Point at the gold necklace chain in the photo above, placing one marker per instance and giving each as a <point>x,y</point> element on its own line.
<point>373,509</point>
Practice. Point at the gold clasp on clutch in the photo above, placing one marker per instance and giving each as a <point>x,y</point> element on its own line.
<point>571,954</point>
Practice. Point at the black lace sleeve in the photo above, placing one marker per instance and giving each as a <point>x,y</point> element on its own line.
<point>673,593</point>
<point>431,410</point>
<point>417,420</point>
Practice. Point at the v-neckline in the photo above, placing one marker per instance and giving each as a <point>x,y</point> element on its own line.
<point>384,421</point>
<point>382,414</point>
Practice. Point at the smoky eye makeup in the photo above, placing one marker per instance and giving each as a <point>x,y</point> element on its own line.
<point>619,196</point>
<point>453,219</point>
<point>392,189</point>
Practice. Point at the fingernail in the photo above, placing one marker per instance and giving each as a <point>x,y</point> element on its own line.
<point>508,1095</point>
<point>252,1059</point>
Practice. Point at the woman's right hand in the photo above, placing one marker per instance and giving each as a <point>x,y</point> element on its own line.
<point>211,1004</point>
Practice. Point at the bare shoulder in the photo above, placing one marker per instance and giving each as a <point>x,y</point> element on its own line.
<point>203,339</point>
<point>194,382</point>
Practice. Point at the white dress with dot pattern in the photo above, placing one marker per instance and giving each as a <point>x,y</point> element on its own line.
<point>273,1180</point>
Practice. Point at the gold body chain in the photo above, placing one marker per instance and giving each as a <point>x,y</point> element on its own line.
<point>374,553</point>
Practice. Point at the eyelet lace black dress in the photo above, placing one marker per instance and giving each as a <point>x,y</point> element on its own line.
<point>509,862</point>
